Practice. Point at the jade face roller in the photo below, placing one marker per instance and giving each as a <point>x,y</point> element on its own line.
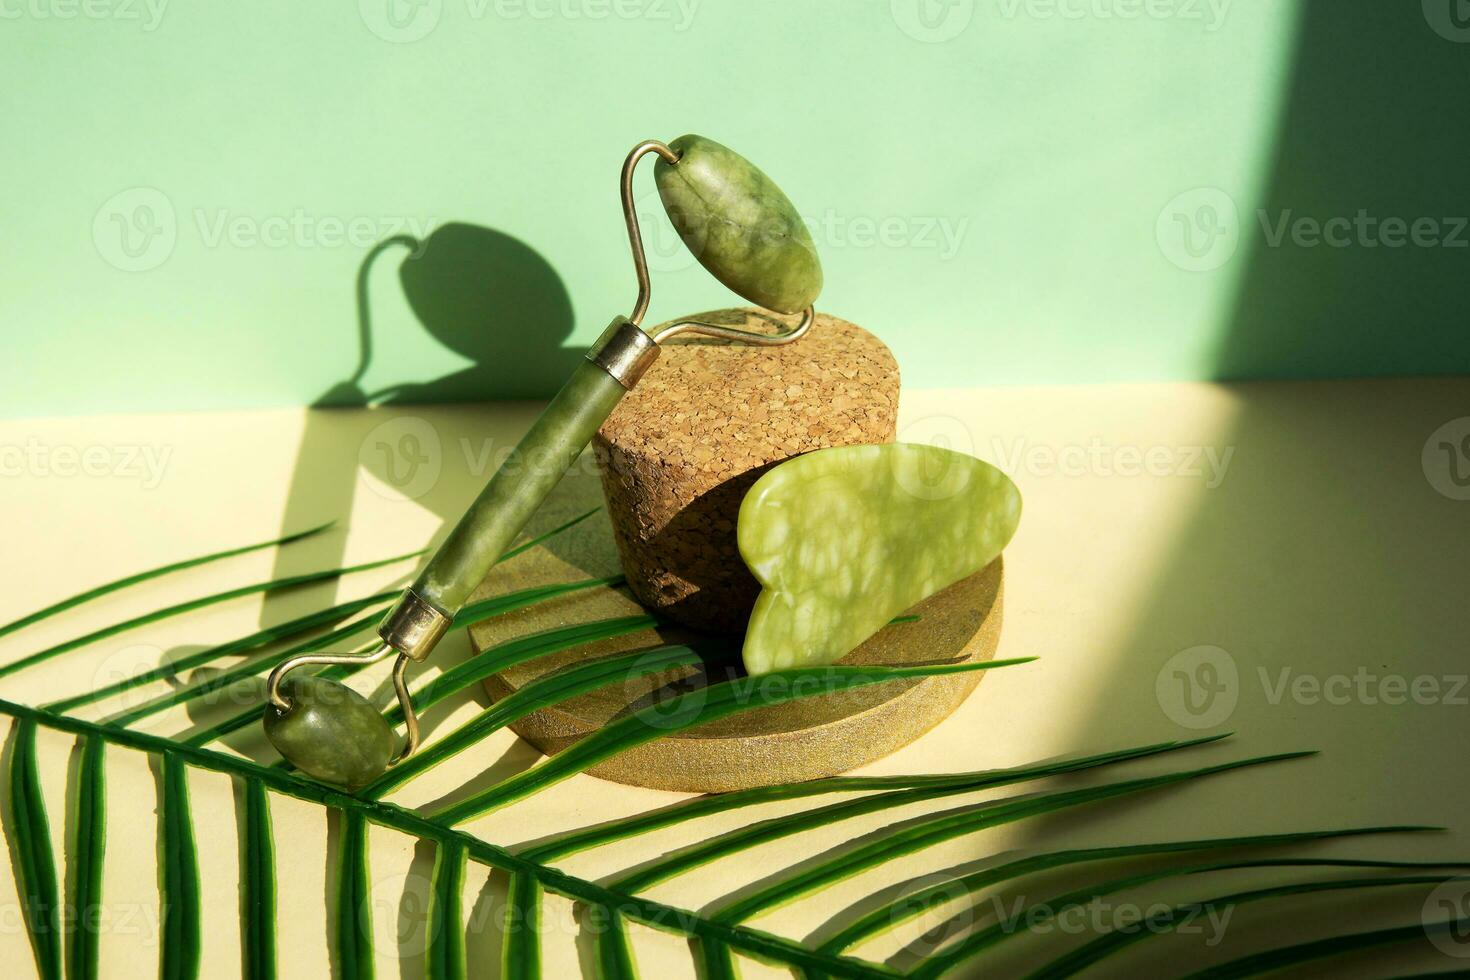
<point>746,233</point>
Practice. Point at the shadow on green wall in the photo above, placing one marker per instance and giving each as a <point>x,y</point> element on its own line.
<point>1372,128</point>
<point>483,294</point>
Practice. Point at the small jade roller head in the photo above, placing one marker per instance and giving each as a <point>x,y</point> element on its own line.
<point>330,732</point>
<point>739,225</point>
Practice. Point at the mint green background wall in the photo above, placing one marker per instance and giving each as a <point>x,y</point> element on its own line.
<point>204,205</point>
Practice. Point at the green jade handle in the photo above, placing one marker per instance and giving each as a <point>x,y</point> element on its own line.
<point>517,489</point>
<point>424,612</point>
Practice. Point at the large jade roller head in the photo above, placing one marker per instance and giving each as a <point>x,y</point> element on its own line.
<point>746,233</point>
<point>739,225</point>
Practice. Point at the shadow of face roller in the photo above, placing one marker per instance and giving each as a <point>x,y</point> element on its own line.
<point>481,293</point>
<point>493,299</point>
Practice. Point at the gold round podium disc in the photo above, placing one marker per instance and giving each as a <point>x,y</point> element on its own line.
<point>791,742</point>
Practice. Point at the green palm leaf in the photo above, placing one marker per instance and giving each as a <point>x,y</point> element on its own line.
<point>536,695</point>
<point>689,710</point>
<point>471,672</point>
<point>521,955</point>
<point>718,962</point>
<point>353,913</point>
<point>769,830</point>
<point>178,875</point>
<point>244,644</point>
<point>477,612</point>
<point>274,585</point>
<point>706,805</point>
<point>258,885</point>
<point>948,958</point>
<point>152,573</point>
<point>445,952</point>
<point>926,832</point>
<point>716,937</point>
<point>917,902</point>
<point>1162,922</point>
<point>31,839</point>
<point>1321,949</point>
<point>90,845</point>
<point>614,950</point>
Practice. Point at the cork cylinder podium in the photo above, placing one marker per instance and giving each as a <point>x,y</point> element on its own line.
<point>709,417</point>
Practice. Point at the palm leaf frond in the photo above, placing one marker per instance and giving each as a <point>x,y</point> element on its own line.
<point>179,874</point>
<point>90,845</point>
<point>445,953</point>
<point>35,862</point>
<point>1162,922</point>
<point>353,912</point>
<point>258,885</point>
<point>152,573</point>
<point>1321,949</point>
<point>521,954</point>
<point>689,710</point>
<point>178,609</point>
<point>717,936</point>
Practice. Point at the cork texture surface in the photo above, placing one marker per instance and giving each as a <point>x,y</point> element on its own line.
<point>680,451</point>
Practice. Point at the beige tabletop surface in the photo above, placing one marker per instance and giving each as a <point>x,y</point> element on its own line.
<point>1287,561</point>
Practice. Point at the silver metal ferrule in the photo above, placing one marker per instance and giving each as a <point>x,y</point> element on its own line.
<point>624,351</point>
<point>413,627</point>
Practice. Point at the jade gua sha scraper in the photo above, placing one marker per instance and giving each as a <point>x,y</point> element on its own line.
<point>746,232</point>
